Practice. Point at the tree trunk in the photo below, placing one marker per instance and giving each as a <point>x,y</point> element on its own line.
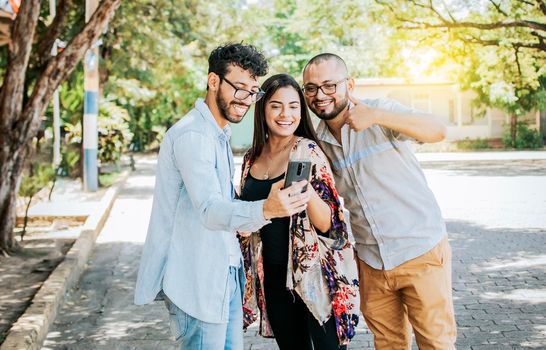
<point>10,174</point>
<point>513,129</point>
<point>19,119</point>
<point>25,223</point>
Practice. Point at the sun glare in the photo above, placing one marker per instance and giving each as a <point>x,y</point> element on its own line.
<point>419,62</point>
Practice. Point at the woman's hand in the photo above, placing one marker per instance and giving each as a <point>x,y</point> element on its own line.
<point>286,202</point>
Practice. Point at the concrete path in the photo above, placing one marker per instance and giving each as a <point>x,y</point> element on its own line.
<point>496,215</point>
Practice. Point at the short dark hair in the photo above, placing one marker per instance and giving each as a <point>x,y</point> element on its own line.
<point>270,86</point>
<point>245,56</point>
<point>326,56</point>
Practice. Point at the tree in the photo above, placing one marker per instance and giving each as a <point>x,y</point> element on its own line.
<point>520,24</point>
<point>499,46</point>
<point>20,111</point>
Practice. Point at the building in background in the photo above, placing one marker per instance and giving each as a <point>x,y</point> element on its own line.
<point>445,100</point>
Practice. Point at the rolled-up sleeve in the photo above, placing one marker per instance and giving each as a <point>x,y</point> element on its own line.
<point>397,107</point>
<point>194,155</point>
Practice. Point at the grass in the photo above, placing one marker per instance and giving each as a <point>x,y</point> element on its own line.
<point>473,144</point>
<point>108,179</point>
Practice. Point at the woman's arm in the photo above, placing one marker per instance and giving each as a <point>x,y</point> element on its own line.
<point>319,212</point>
<point>327,216</point>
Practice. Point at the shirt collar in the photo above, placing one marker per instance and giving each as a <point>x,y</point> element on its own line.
<point>324,134</point>
<point>202,107</point>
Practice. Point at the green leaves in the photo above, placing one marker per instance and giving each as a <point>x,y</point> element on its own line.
<point>38,177</point>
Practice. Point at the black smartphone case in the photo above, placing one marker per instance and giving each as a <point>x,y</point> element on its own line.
<point>297,170</point>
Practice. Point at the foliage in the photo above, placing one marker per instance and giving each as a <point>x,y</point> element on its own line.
<point>114,133</point>
<point>496,48</point>
<point>150,57</point>
<point>70,159</point>
<point>155,52</point>
<point>472,144</point>
<point>525,137</point>
<point>38,177</point>
<point>108,179</point>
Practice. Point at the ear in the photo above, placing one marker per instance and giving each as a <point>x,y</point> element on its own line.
<point>213,81</point>
<point>350,84</point>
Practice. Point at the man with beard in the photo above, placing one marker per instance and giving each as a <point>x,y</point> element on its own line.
<point>404,257</point>
<point>191,257</point>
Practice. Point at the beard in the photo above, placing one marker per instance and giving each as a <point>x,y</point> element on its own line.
<point>223,107</point>
<point>339,106</point>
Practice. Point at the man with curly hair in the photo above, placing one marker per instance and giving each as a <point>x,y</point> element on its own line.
<point>191,257</point>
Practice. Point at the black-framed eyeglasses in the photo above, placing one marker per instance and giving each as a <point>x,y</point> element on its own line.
<point>242,94</point>
<point>311,90</point>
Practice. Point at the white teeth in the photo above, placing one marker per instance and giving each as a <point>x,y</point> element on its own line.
<point>322,104</point>
<point>241,109</point>
<point>285,123</point>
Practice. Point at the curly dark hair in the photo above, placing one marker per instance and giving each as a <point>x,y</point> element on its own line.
<point>245,56</point>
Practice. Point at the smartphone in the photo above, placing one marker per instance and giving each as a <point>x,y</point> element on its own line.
<point>297,170</point>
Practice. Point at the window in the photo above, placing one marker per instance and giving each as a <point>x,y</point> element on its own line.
<point>421,101</point>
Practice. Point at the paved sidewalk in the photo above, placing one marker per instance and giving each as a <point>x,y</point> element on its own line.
<point>480,156</point>
<point>499,269</point>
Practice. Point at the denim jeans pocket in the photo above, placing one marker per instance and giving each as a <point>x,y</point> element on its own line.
<point>178,320</point>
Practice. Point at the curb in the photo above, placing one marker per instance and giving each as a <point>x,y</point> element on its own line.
<point>30,330</point>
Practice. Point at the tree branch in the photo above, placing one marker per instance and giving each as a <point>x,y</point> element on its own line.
<point>444,23</point>
<point>483,26</point>
<point>449,12</point>
<point>541,45</point>
<point>395,14</point>
<point>11,93</point>
<point>542,6</point>
<point>60,67</point>
<point>54,30</point>
<point>499,9</point>
<point>527,2</point>
<point>516,55</point>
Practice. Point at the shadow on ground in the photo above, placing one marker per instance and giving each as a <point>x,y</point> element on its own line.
<point>528,167</point>
<point>499,291</point>
<point>499,282</point>
<point>22,275</point>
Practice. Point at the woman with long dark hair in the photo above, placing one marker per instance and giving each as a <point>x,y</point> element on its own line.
<point>301,274</point>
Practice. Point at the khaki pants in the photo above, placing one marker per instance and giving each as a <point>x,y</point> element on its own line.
<point>418,292</point>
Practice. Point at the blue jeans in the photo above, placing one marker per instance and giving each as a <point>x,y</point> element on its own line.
<point>193,334</point>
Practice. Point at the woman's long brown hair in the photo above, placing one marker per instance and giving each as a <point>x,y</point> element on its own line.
<point>270,86</point>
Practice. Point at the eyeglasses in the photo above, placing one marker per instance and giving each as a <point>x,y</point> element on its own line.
<point>311,90</point>
<point>242,94</point>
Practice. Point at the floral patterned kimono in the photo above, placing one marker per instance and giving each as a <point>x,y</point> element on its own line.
<point>322,270</point>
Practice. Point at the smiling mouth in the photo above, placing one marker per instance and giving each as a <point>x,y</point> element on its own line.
<point>240,108</point>
<point>323,104</point>
<point>284,124</point>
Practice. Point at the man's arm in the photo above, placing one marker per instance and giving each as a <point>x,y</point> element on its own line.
<point>419,126</point>
<point>194,157</point>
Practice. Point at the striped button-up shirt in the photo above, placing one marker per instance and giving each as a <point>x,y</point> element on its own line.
<point>394,215</point>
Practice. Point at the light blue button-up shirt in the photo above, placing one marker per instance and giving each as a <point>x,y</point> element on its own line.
<point>191,236</point>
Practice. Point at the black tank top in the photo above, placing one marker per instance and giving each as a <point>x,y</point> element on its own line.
<point>274,235</point>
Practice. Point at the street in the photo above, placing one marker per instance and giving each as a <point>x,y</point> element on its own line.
<point>496,217</point>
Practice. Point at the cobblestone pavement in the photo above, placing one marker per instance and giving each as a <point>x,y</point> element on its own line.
<point>496,217</point>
